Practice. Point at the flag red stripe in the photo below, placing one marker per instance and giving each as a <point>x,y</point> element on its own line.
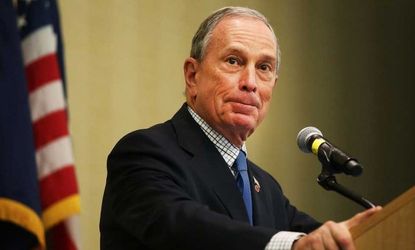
<point>50,127</point>
<point>56,174</point>
<point>60,238</point>
<point>58,185</point>
<point>42,71</point>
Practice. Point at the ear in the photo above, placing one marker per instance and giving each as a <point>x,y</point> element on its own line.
<point>190,68</point>
<point>276,79</point>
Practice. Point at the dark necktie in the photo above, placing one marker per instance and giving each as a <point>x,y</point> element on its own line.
<point>242,180</point>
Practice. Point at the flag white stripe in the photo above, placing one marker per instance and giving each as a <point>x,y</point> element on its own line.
<point>54,156</point>
<point>46,99</point>
<point>72,224</point>
<point>39,43</point>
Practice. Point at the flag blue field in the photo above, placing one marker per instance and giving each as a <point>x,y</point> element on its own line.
<point>19,192</point>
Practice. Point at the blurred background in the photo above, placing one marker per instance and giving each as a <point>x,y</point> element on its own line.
<point>347,68</point>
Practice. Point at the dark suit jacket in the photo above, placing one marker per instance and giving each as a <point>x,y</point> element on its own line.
<point>168,187</point>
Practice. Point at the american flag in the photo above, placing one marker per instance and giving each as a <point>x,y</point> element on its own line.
<point>57,190</point>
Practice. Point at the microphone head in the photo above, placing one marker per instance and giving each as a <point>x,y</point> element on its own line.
<point>304,137</point>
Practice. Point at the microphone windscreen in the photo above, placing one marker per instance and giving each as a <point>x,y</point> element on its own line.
<point>304,136</point>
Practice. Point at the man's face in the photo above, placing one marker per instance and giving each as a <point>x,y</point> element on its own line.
<point>232,86</point>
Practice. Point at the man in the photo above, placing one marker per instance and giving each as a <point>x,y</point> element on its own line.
<point>183,184</point>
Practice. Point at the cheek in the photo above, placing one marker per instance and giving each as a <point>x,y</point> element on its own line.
<point>266,95</point>
<point>209,98</point>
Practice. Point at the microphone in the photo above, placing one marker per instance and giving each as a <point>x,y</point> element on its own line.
<point>311,140</point>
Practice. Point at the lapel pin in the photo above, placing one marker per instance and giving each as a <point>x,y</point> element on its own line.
<point>256,185</point>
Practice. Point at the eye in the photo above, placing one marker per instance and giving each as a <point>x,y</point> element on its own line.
<point>232,60</point>
<point>265,67</point>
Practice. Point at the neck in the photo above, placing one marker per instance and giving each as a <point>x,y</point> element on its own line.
<point>230,134</point>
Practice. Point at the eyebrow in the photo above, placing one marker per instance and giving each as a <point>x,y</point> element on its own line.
<point>239,49</point>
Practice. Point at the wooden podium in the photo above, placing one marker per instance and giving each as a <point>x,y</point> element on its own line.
<point>390,229</point>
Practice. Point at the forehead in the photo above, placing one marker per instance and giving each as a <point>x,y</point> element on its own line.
<point>237,20</point>
<point>242,30</point>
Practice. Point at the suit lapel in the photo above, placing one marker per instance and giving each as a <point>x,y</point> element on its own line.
<point>209,163</point>
<point>261,213</point>
<point>214,168</point>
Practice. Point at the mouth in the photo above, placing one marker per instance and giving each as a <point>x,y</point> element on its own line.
<point>248,102</point>
<point>244,106</point>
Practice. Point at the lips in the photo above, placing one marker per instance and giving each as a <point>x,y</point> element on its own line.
<point>247,101</point>
<point>244,106</point>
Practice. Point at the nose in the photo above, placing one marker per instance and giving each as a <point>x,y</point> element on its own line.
<point>248,79</point>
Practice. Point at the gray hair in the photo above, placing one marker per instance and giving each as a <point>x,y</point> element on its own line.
<point>202,37</point>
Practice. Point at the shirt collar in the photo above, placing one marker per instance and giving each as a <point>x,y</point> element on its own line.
<point>228,151</point>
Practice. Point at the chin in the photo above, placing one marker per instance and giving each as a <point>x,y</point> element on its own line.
<point>244,123</point>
